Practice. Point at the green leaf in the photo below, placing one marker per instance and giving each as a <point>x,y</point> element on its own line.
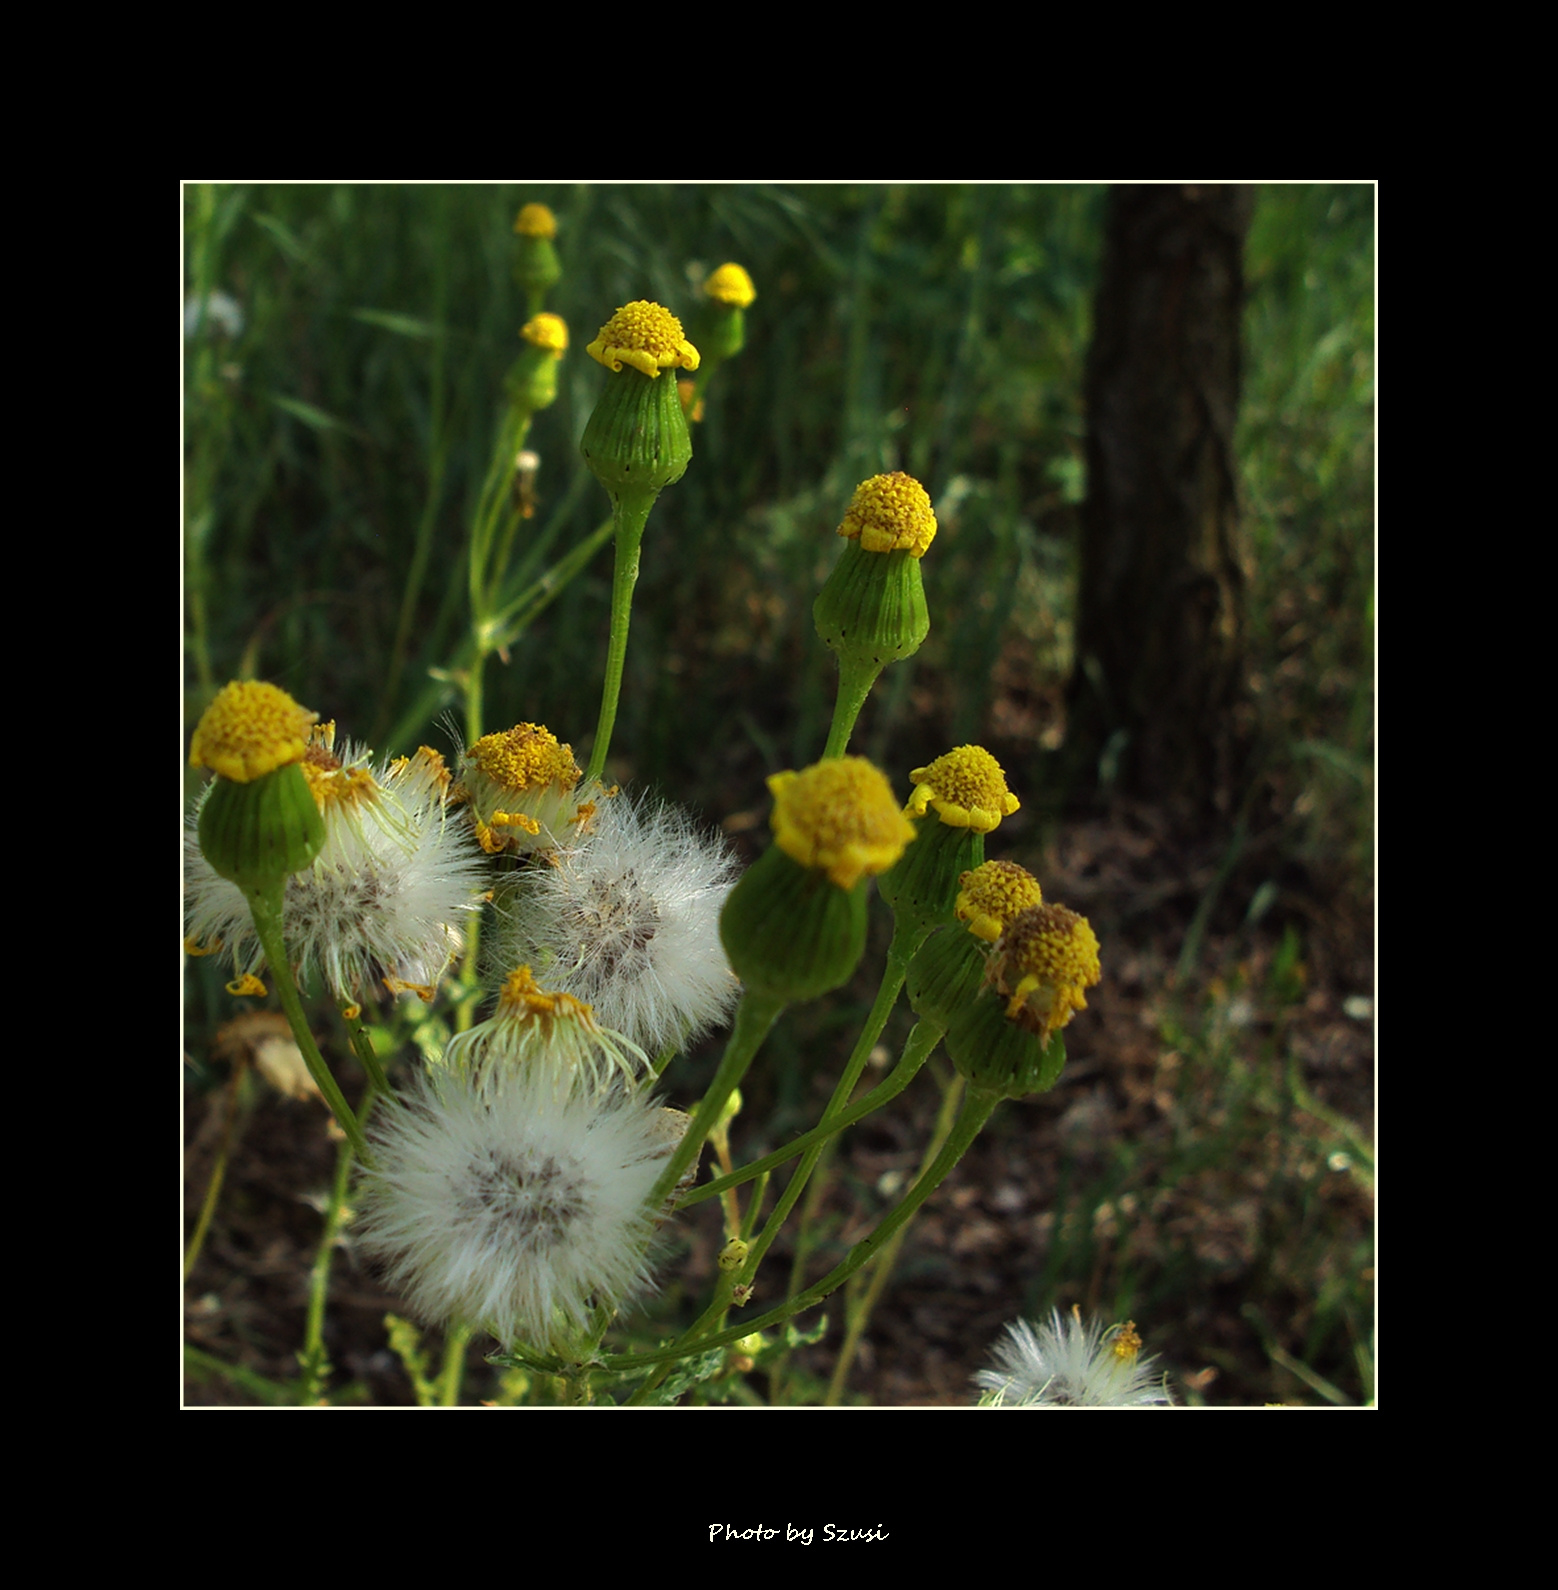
<point>401,325</point>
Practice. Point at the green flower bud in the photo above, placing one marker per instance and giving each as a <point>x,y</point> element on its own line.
<point>923,888</point>
<point>871,609</point>
<point>794,927</point>
<point>999,1055</point>
<point>537,268</point>
<point>947,972</point>
<point>259,822</point>
<point>637,441</point>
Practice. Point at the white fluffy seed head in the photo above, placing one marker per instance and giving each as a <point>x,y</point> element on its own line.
<point>516,1208</point>
<point>628,921</point>
<point>387,896</point>
<point>1070,1363</point>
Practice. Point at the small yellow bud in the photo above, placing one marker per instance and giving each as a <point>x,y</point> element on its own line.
<point>535,220</point>
<point>249,730</point>
<point>989,896</point>
<point>730,285</point>
<point>890,513</point>
<point>966,788</point>
<point>547,332</point>
<point>839,817</point>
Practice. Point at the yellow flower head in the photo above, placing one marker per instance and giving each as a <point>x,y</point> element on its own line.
<point>966,788</point>
<point>990,895</point>
<point>250,730</point>
<point>545,331</point>
<point>839,817</point>
<point>730,286</point>
<point>890,513</point>
<point>646,336</point>
<point>1042,963</point>
<point>521,789</point>
<point>535,220</point>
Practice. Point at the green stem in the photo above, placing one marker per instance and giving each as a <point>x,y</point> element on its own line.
<point>266,908</point>
<point>855,681</point>
<point>754,1016</point>
<point>456,1339</point>
<point>631,514</point>
<point>916,1051</point>
<point>857,1318</point>
<point>977,1108</point>
<point>316,1366</point>
<point>218,1170</point>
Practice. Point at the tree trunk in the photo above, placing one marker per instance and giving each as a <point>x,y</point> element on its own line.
<point>1155,698</point>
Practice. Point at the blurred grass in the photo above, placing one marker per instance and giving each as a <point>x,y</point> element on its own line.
<point>941,330</point>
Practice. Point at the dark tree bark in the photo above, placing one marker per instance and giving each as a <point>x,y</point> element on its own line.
<point>1155,698</point>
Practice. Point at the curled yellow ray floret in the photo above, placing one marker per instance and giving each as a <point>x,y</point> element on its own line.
<point>839,817</point>
<point>646,336</point>
<point>249,730</point>
<point>1042,963</point>
<point>992,894</point>
<point>731,286</point>
<point>546,331</point>
<point>966,788</point>
<point>890,513</point>
<point>535,220</point>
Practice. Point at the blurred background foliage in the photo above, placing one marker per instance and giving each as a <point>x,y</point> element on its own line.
<point>346,353</point>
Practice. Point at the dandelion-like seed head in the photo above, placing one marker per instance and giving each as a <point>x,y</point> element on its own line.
<point>535,220</point>
<point>840,817</point>
<point>385,897</point>
<point>645,335</point>
<point>965,788</point>
<point>890,513</point>
<point>249,730</point>
<point>731,286</point>
<point>547,1033</point>
<point>520,1206</point>
<point>522,788</point>
<point>1066,1363</point>
<point>991,894</point>
<point>627,920</point>
<point>547,332</point>
<point>1043,961</point>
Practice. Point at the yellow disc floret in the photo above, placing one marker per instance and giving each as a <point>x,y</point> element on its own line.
<point>890,513</point>
<point>839,817</point>
<point>646,336</point>
<point>730,285</point>
<point>990,895</point>
<point>250,730</point>
<point>525,757</point>
<point>545,331</point>
<point>535,220</point>
<point>1042,963</point>
<point>966,788</point>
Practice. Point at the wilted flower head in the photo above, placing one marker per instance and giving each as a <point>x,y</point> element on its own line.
<point>386,895</point>
<point>627,920</point>
<point>1065,1363</point>
<point>518,1207</point>
<point>1043,961</point>
<point>522,786</point>
<point>546,1032</point>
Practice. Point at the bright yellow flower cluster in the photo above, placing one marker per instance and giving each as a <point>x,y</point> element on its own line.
<point>546,331</point>
<point>249,730</point>
<point>1042,963</point>
<point>646,336</point>
<point>520,785</point>
<point>535,220</point>
<point>731,286</point>
<point>839,817</point>
<point>966,788</point>
<point>990,895</point>
<point>890,513</point>
<point>525,757</point>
